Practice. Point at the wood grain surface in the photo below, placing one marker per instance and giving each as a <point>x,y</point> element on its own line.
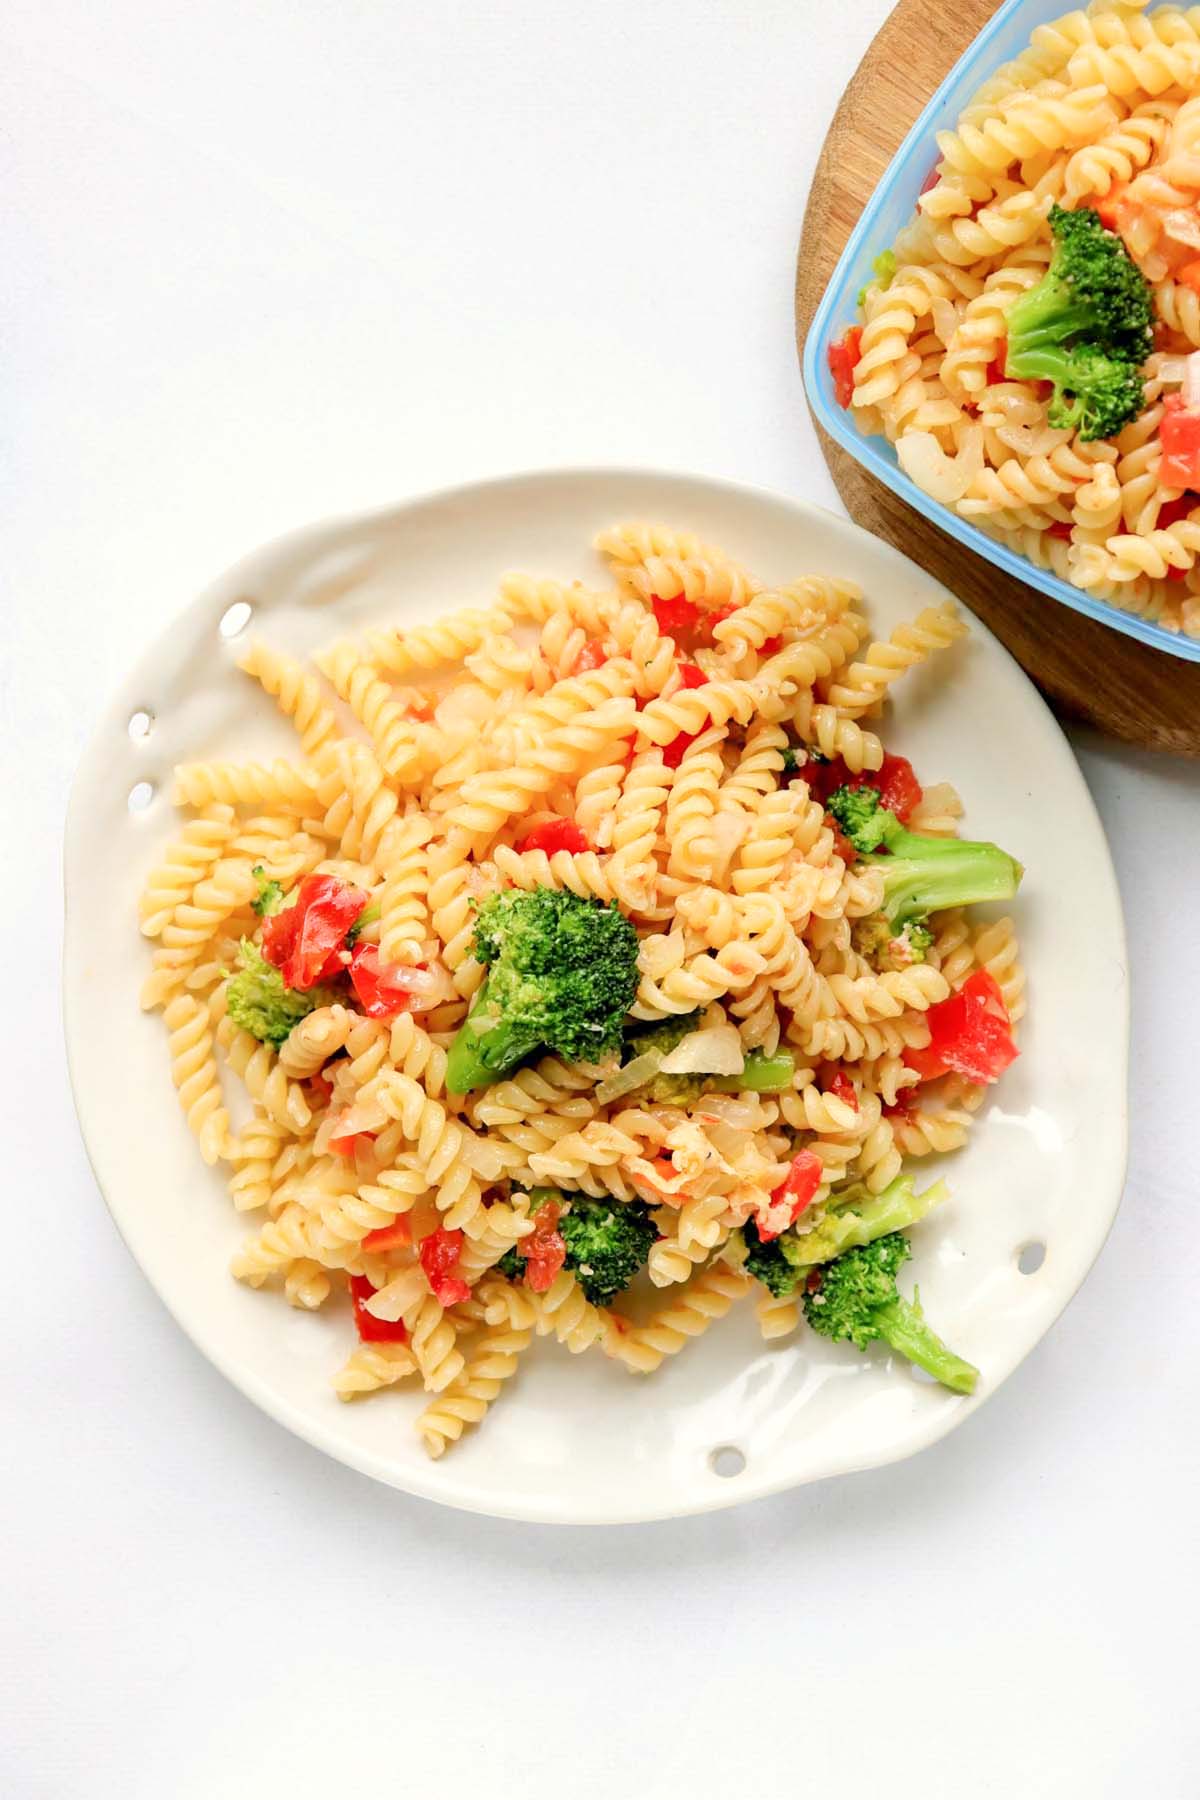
<point>1085,670</point>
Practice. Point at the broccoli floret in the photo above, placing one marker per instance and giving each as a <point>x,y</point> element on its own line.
<point>665,1035</point>
<point>607,1242</point>
<point>921,874</point>
<point>269,898</point>
<point>887,949</point>
<point>856,1299</point>
<point>855,1216</point>
<point>259,1001</point>
<point>767,1262</point>
<point>1087,327</point>
<point>562,974</point>
<point>512,1264</point>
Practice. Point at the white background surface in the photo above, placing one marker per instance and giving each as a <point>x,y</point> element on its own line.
<point>264,263</point>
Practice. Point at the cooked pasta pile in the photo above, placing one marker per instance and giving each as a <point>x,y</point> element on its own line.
<point>1102,112</point>
<point>666,747</point>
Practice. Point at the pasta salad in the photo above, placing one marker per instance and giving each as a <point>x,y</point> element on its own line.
<point>592,967</point>
<point>1031,343</point>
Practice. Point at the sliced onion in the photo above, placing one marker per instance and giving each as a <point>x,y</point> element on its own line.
<point>717,1050</point>
<point>729,1110</point>
<point>465,707</point>
<point>728,830</point>
<point>362,1115</point>
<point>1169,370</point>
<point>1191,380</point>
<point>1182,226</point>
<point>635,1074</point>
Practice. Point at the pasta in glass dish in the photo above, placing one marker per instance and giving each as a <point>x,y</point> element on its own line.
<point>1031,342</point>
<point>593,967</point>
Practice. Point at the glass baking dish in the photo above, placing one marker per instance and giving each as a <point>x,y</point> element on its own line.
<point>890,207</point>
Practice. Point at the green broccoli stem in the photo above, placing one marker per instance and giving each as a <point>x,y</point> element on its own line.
<point>927,874</point>
<point>1049,314</point>
<point>484,1049</point>
<point>902,1325</point>
<point>760,1075</point>
<point>862,1221</point>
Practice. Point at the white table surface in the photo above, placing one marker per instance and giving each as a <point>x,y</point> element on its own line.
<point>268,262</point>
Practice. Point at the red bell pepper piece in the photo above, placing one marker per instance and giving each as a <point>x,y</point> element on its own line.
<point>303,940</point>
<point>791,1197</point>
<point>395,1236</point>
<point>439,1255</point>
<point>370,1329</point>
<point>348,1145</point>
<point>842,1088</point>
<point>995,369</point>
<point>970,1034</point>
<point>380,989</point>
<point>843,360</point>
<point>1179,435</point>
<point>770,646</point>
<point>690,676</point>
<point>556,834</point>
<point>931,180</point>
<point>675,615</point>
<point>544,1249</point>
<point>899,790</point>
<point>322,1088</point>
<point>1172,511</point>
<point>1059,528</point>
<point>592,656</point>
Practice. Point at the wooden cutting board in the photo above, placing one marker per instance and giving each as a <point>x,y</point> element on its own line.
<point>1086,671</point>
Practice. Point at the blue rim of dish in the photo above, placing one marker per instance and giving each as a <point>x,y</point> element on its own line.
<point>890,207</point>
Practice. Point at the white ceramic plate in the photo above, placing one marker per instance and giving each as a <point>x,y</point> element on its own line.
<point>576,1438</point>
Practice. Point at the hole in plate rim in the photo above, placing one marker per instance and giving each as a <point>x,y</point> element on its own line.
<point>234,619</point>
<point>727,1461</point>
<point>1031,1256</point>
<point>140,796</point>
<point>141,724</point>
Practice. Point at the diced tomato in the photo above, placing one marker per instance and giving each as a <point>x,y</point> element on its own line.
<point>791,1197</point>
<point>674,752</point>
<point>1179,435</point>
<point>970,1034</point>
<point>931,180</point>
<point>592,656</point>
<point>395,1236</point>
<point>1060,528</point>
<point>545,1249</point>
<point>842,1088</point>
<point>690,676</point>
<point>381,988</point>
<point>302,939</point>
<point>770,646</point>
<point>439,1254</point>
<point>995,369</point>
<point>322,1088</point>
<point>370,1329</point>
<point>843,360</point>
<point>1189,274</point>
<point>675,615</point>
<point>556,834</point>
<point>1174,574</point>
